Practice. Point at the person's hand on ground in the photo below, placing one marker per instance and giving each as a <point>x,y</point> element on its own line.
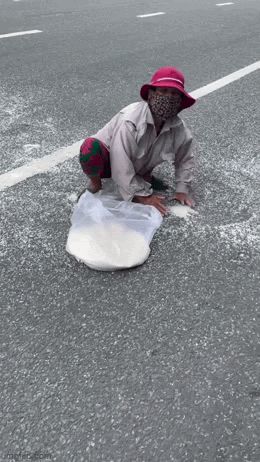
<point>155,201</point>
<point>184,199</point>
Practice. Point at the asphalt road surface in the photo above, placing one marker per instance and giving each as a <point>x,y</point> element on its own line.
<point>159,363</point>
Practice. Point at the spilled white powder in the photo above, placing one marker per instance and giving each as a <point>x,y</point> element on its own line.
<point>244,233</point>
<point>73,197</point>
<point>182,211</point>
<point>108,247</point>
<point>31,147</point>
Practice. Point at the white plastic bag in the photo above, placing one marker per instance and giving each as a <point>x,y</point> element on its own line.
<point>109,234</point>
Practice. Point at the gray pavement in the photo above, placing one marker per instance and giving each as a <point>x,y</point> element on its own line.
<point>158,363</point>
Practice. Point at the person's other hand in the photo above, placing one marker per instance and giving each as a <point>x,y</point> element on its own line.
<point>155,201</point>
<point>184,199</point>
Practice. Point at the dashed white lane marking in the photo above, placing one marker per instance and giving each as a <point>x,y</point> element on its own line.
<point>225,4</point>
<point>25,32</point>
<point>45,163</point>
<point>149,15</point>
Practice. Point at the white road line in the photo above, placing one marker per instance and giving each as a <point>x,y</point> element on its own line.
<point>149,15</point>
<point>40,165</point>
<point>25,32</point>
<point>44,164</point>
<point>225,80</point>
<point>225,4</point>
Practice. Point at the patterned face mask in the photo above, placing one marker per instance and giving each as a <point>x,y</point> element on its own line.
<point>164,106</point>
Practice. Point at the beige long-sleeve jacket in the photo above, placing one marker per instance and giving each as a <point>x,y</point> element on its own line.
<point>135,149</point>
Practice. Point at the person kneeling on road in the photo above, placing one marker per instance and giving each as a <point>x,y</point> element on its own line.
<point>140,137</point>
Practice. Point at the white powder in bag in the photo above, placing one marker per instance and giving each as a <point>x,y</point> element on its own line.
<point>108,247</point>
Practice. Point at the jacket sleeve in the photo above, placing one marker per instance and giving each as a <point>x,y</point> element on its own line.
<point>184,165</point>
<point>123,149</point>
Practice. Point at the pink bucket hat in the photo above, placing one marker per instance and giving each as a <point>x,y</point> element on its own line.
<point>168,77</point>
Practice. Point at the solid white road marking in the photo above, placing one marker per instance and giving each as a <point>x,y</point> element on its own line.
<point>225,80</point>
<point>40,165</point>
<point>43,164</point>
<point>149,15</point>
<point>224,4</point>
<point>25,32</point>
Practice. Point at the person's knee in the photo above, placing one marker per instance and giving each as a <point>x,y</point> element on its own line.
<point>94,159</point>
<point>90,156</point>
